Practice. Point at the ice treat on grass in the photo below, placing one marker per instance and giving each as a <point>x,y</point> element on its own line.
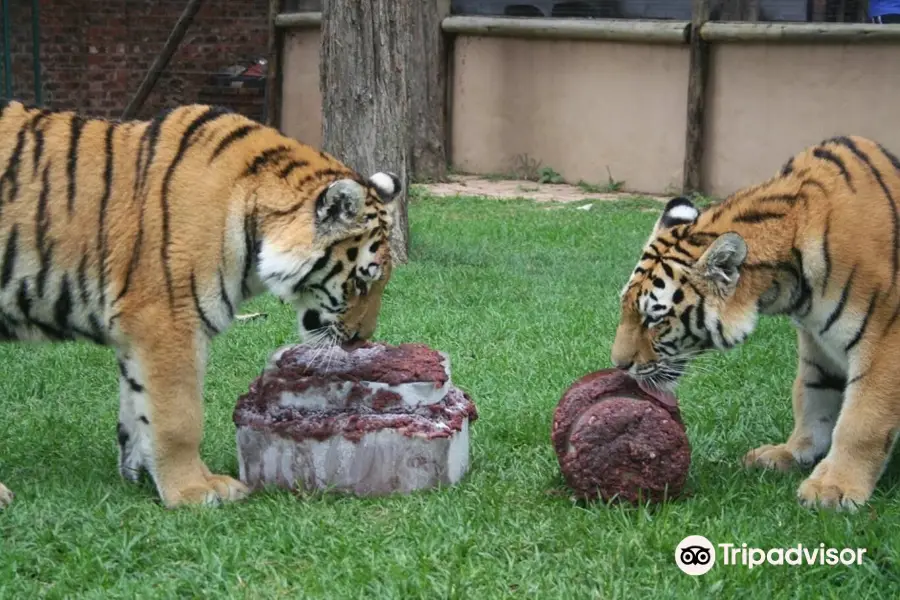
<point>614,439</point>
<point>371,419</point>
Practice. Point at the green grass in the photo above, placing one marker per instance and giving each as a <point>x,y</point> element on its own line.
<point>524,300</point>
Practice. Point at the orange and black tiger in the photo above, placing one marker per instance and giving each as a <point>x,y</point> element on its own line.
<point>146,236</point>
<point>819,242</point>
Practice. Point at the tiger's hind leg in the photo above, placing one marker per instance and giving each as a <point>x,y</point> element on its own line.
<point>817,396</point>
<point>133,429</point>
<point>863,439</point>
<point>172,366</point>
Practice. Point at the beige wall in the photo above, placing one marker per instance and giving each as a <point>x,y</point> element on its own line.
<point>301,101</point>
<point>577,106</point>
<point>767,102</point>
<point>583,106</point>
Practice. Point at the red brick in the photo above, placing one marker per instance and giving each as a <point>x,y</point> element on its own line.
<point>127,37</point>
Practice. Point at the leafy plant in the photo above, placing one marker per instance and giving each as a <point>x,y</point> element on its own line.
<point>611,185</point>
<point>549,175</point>
<point>526,167</point>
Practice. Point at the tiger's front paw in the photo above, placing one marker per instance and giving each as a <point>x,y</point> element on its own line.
<point>6,496</point>
<point>211,490</point>
<point>771,456</point>
<point>829,488</point>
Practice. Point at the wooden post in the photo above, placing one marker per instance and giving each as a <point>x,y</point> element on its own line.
<point>696,100</point>
<point>162,60</point>
<point>273,71</point>
<point>428,92</point>
<point>374,54</point>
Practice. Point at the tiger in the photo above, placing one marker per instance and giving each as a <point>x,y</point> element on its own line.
<point>145,236</point>
<point>819,243</point>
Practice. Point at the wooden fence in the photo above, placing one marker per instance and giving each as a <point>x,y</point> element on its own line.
<point>783,58</point>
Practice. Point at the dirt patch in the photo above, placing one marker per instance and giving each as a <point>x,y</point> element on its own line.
<point>473,185</point>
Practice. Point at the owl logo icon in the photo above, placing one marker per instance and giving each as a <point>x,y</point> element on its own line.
<point>695,555</point>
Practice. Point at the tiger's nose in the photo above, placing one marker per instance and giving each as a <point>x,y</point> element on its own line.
<point>624,365</point>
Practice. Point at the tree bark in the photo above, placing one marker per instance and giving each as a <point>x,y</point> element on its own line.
<point>428,65</point>
<point>383,80</point>
<point>696,100</point>
<point>365,103</point>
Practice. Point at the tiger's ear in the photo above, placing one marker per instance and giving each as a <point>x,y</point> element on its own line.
<point>721,262</point>
<point>339,205</point>
<point>387,185</point>
<point>678,211</point>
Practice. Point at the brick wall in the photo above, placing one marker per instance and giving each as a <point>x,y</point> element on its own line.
<point>94,53</point>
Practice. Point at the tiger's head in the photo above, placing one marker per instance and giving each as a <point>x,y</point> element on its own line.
<point>328,254</point>
<point>682,299</point>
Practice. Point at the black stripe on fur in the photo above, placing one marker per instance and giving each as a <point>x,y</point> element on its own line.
<point>9,257</point>
<point>236,135</point>
<point>838,162</point>
<point>757,216</point>
<point>270,156</point>
<point>865,323</point>
<point>38,149</point>
<point>149,140</point>
<point>895,242</point>
<point>845,295</point>
<point>102,248</point>
<point>211,114</point>
<point>131,381</point>
<point>788,167</point>
<point>42,227</point>
<point>317,266</point>
<point>891,157</point>
<point>62,308</point>
<point>135,258</point>
<point>10,176</point>
<point>826,254</point>
<point>890,323</point>
<point>251,249</point>
<point>826,379</point>
<point>82,278</point>
<point>76,125</point>
<point>291,166</point>
<point>212,329</point>
<point>224,293</point>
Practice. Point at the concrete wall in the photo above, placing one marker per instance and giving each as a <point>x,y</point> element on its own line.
<point>584,106</point>
<point>767,102</point>
<point>577,106</point>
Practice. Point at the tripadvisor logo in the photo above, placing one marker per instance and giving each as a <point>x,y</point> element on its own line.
<point>696,555</point>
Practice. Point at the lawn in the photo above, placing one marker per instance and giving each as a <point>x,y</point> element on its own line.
<point>523,296</point>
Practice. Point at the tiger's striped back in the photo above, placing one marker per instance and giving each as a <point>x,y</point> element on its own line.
<point>99,217</point>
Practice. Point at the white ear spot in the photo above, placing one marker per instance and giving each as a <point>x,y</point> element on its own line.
<point>386,184</point>
<point>683,213</point>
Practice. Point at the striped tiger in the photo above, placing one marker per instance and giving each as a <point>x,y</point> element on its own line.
<point>146,236</point>
<point>819,242</point>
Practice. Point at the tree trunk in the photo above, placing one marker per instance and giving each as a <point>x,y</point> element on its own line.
<point>365,103</point>
<point>428,91</point>
<point>383,79</point>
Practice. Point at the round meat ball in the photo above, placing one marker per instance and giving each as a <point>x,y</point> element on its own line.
<point>615,440</point>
